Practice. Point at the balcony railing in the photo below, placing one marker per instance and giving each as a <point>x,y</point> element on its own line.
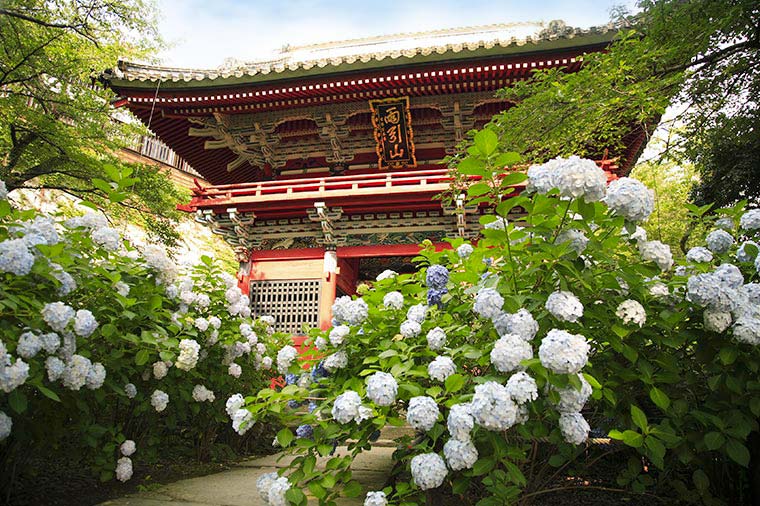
<point>154,149</point>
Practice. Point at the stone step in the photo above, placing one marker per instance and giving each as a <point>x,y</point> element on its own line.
<point>390,432</point>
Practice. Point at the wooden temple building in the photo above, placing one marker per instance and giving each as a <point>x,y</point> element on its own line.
<point>325,161</point>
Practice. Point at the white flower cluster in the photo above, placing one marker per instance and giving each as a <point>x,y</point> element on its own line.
<point>74,376</point>
<point>68,283</point>
<point>29,344</point>
<point>520,323</point>
<point>55,368</point>
<point>348,407</point>
<point>90,220</point>
<point>15,257</point>
<point>428,470</point>
<point>577,239</point>
<point>124,469</point>
<point>716,290</point>
<point>631,311</point>
<point>460,422</point>
<point>699,254</point>
<point>285,358</point>
<point>716,321</point>
<point>417,313</point>
<point>750,220</point>
<point>742,255</point>
<point>410,329</point>
<point>488,303</point>
<point>460,454</point>
<point>242,421</point>
<point>562,352</point>
<point>657,252</point>
<point>164,266</point>
<point>6,425</point>
<point>337,360</point>
<point>574,428</point>
<point>564,306</point>
<point>436,339</point>
<point>351,312</point>
<point>189,351</point>
<point>57,315</point>
<point>464,251</point>
<point>234,402</point>
<point>338,334</point>
<point>12,374</point>
<point>719,241</point>
<point>386,274</point>
<point>159,400</point>
<point>128,448</point>
<point>492,407</point>
<point>40,230</point>
<point>422,413</point>
<point>107,237</point>
<point>131,390</point>
<point>509,351</point>
<point>3,190</point>
<point>630,199</point>
<point>441,368</point>
<point>160,370</point>
<point>393,300</point>
<point>574,177</point>
<point>522,388</point>
<point>203,394</point>
<point>234,370</point>
<point>84,323</point>
<point>376,499</point>
<point>572,400</point>
<point>382,388</point>
<point>96,376</point>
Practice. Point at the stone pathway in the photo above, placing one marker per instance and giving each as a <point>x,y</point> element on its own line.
<point>237,487</point>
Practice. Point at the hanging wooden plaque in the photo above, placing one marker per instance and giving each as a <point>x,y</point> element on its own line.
<point>392,121</point>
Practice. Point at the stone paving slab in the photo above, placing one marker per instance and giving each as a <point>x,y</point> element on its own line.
<point>237,486</point>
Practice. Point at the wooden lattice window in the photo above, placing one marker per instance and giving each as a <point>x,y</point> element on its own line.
<point>292,302</point>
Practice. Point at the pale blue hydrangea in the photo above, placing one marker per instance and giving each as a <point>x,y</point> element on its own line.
<point>464,251</point>
<point>84,323</point>
<point>393,300</point>
<point>12,374</point>
<point>436,339</point>
<point>54,367</point>
<point>386,274</point>
<point>285,358</point>
<point>577,177</point>
<point>577,239</point>
<point>747,330</point>
<point>748,301</point>
<point>346,407</point>
<point>6,423</point>
<point>520,323</point>
<point>725,223</point>
<point>522,387</point>
<point>422,413</point>
<point>488,303</point>
<point>15,257</point>
<point>460,422</point>
<point>57,315</point>
<point>715,290</point>
<point>68,284</point>
<point>743,254</point>
<point>492,407</point>
<point>3,190</point>
<point>305,431</point>
<point>562,352</point>
<point>382,388</point>
<point>509,351</point>
<point>437,276</point>
<point>96,376</point>
<point>242,420</point>
<point>460,454</point>
<point>699,254</point>
<point>729,275</point>
<point>89,220</point>
<point>40,230</point>
<point>541,177</point>
<point>719,241</point>
<point>264,483</point>
<point>428,470</point>
<point>630,199</point>
<point>29,344</point>
<point>750,220</point>
<point>107,237</point>
<point>657,252</point>
<point>441,368</point>
<point>338,334</point>
<point>564,306</point>
<point>498,224</point>
<point>131,390</point>
<point>336,361</point>
<point>417,313</point>
<point>574,428</point>
<point>75,375</point>
<point>410,329</point>
<point>376,499</point>
<point>572,400</point>
<point>159,400</point>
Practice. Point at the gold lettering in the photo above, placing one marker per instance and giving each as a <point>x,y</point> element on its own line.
<point>392,115</point>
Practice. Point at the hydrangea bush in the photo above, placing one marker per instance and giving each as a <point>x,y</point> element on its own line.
<point>115,345</point>
<point>504,355</point>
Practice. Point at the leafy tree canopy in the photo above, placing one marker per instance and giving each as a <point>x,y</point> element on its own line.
<point>56,123</point>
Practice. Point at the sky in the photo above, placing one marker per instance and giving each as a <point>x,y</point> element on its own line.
<point>202,34</point>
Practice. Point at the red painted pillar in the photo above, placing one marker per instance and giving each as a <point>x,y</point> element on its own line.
<point>328,289</point>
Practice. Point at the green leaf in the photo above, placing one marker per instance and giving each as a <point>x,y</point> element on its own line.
<point>17,401</point>
<point>472,166</point>
<point>701,481</point>
<point>478,189</point>
<point>295,496</point>
<point>633,439</point>
<point>507,159</point>
<point>513,178</point>
<point>486,142</point>
<point>714,440</point>
<point>352,489</point>
<point>738,452</point>
<point>317,489</point>
<point>48,393</point>
<point>328,481</point>
<point>483,466</point>
<point>660,398</point>
<point>728,355</point>
<point>454,383</point>
<point>639,418</point>
<point>142,357</point>
<point>285,437</point>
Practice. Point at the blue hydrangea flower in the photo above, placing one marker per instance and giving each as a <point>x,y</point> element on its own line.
<point>312,406</point>
<point>437,277</point>
<point>291,379</point>
<point>319,371</point>
<point>435,296</point>
<point>305,431</point>
<point>294,404</point>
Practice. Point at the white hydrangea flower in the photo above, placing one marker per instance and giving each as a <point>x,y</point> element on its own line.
<point>630,311</point>
<point>242,421</point>
<point>747,330</point>
<point>630,199</point>
<point>54,367</point>
<point>285,358</point>
<point>572,400</point>
<point>338,334</point>
<point>522,387</point>
<point>742,255</point>
<point>234,403</point>
<point>320,343</point>
<point>201,324</point>
<point>509,351</point>
<point>417,313</point>
<point>203,394</point>
<point>460,454</point>
<point>422,413</point>
<point>29,344</point>
<point>640,234</point>
<point>107,237</point>
<point>75,375</point>
<point>124,469</point>
<point>128,447</point>
<point>460,422</point>
<point>40,230</point>
<point>376,499</point>
<point>492,407</point>
<point>499,223</point>
<point>131,390</point>
<point>719,241</point>
<point>15,257</point>
<point>266,363</point>
<point>189,351</point>
<point>68,283</point>
<point>234,370</point>
<point>541,177</point>
<point>215,322</point>
<point>386,274</point>
<point>562,352</point>
<point>564,306</point>
<point>464,251</point>
<point>160,370</point>
<point>277,492</point>
<point>346,407</point>
<point>436,339</point>
<point>659,290</point>
<point>233,294</point>
<point>657,252</point>
<point>580,178</point>
<point>57,315</point>
<point>90,220</point>
<point>336,361</point>
<point>725,223</point>
<point>410,328</point>
<point>165,267</point>
<point>50,342</point>
<point>84,323</point>
<point>441,368</point>
<point>750,220</point>
<point>428,470</point>
<point>382,388</point>
<point>96,376</point>
<point>13,375</point>
<point>6,425</point>
<point>577,239</point>
<point>520,323</point>
<point>3,194</point>
<point>187,297</point>
<point>488,303</point>
<point>699,254</point>
<point>574,428</point>
<point>716,321</point>
<point>121,288</point>
<point>352,312</point>
<point>264,483</point>
<point>202,301</point>
<point>159,400</point>
<point>393,300</point>
<point>267,319</point>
